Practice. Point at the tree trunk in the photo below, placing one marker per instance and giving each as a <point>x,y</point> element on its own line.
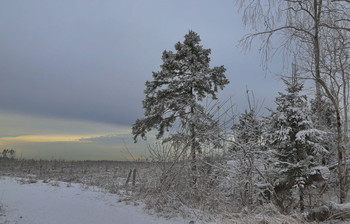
<point>193,155</point>
<point>345,104</point>
<point>301,199</point>
<point>193,147</point>
<point>342,173</point>
<point>341,161</point>
<point>316,43</point>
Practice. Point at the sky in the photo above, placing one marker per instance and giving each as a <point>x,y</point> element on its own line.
<point>73,72</point>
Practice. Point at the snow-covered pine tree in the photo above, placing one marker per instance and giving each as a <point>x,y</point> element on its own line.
<point>248,129</point>
<point>175,93</point>
<point>292,135</point>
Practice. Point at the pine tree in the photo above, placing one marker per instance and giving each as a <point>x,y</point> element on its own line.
<point>292,135</point>
<point>175,93</point>
<point>249,129</point>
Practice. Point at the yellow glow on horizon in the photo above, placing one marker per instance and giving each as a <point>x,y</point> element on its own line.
<point>55,138</point>
<point>46,138</point>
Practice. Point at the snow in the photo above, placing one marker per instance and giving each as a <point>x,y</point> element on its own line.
<point>323,170</point>
<point>59,202</point>
<point>232,163</point>
<point>340,207</point>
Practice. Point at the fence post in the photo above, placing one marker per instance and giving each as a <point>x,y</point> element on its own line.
<point>133,176</point>
<point>128,179</point>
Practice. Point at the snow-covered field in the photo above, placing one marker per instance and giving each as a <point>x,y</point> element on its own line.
<point>58,202</point>
<point>55,192</point>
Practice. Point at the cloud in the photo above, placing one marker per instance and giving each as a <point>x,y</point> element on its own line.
<point>74,72</point>
<point>109,140</point>
<point>43,138</point>
<point>89,61</point>
<point>13,125</point>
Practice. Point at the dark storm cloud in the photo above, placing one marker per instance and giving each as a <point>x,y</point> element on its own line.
<point>86,59</point>
<point>67,58</point>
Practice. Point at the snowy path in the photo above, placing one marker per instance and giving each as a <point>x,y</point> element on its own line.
<point>40,203</point>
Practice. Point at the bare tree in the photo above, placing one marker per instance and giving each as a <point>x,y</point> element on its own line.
<point>299,23</point>
<point>335,65</point>
<point>334,77</point>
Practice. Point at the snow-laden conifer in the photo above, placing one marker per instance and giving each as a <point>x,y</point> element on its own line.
<point>291,133</point>
<point>175,93</point>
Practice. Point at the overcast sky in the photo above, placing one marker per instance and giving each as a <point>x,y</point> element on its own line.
<point>72,72</point>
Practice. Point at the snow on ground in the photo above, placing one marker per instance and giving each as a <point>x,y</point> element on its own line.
<point>57,203</point>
